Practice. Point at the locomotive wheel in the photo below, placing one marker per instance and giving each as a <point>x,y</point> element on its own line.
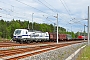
<point>21,42</point>
<point>28,42</point>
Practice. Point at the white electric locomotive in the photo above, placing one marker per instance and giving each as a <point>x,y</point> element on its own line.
<point>24,35</point>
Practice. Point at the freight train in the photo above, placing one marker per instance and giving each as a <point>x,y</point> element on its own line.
<point>28,36</point>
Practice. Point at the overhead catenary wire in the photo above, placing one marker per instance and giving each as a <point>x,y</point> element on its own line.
<point>34,8</point>
<point>12,15</point>
<point>66,9</point>
<point>12,7</point>
<point>51,6</point>
<point>26,5</point>
<point>10,10</point>
<point>69,11</point>
<point>9,14</point>
<point>31,7</point>
<point>15,7</point>
<point>16,12</point>
<point>47,6</point>
<point>5,11</point>
<point>53,10</point>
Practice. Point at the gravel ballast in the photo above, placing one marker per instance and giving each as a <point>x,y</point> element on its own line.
<point>56,54</point>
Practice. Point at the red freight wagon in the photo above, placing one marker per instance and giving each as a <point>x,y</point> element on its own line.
<point>52,36</point>
<point>62,36</point>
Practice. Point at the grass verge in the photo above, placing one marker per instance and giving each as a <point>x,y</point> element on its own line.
<point>84,54</point>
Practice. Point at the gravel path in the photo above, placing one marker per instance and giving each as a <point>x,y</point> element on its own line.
<point>56,54</point>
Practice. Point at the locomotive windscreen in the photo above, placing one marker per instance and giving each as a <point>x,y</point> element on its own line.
<point>17,32</point>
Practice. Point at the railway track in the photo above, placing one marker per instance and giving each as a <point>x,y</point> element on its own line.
<point>29,50</point>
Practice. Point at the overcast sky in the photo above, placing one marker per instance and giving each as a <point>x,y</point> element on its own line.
<point>70,12</point>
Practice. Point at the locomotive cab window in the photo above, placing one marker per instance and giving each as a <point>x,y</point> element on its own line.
<point>17,32</point>
<point>26,32</point>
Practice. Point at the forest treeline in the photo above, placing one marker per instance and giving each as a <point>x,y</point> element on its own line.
<point>7,28</point>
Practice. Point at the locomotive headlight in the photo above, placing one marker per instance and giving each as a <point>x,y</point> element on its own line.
<point>19,36</point>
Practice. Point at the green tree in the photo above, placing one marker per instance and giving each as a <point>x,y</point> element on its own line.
<point>7,27</point>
